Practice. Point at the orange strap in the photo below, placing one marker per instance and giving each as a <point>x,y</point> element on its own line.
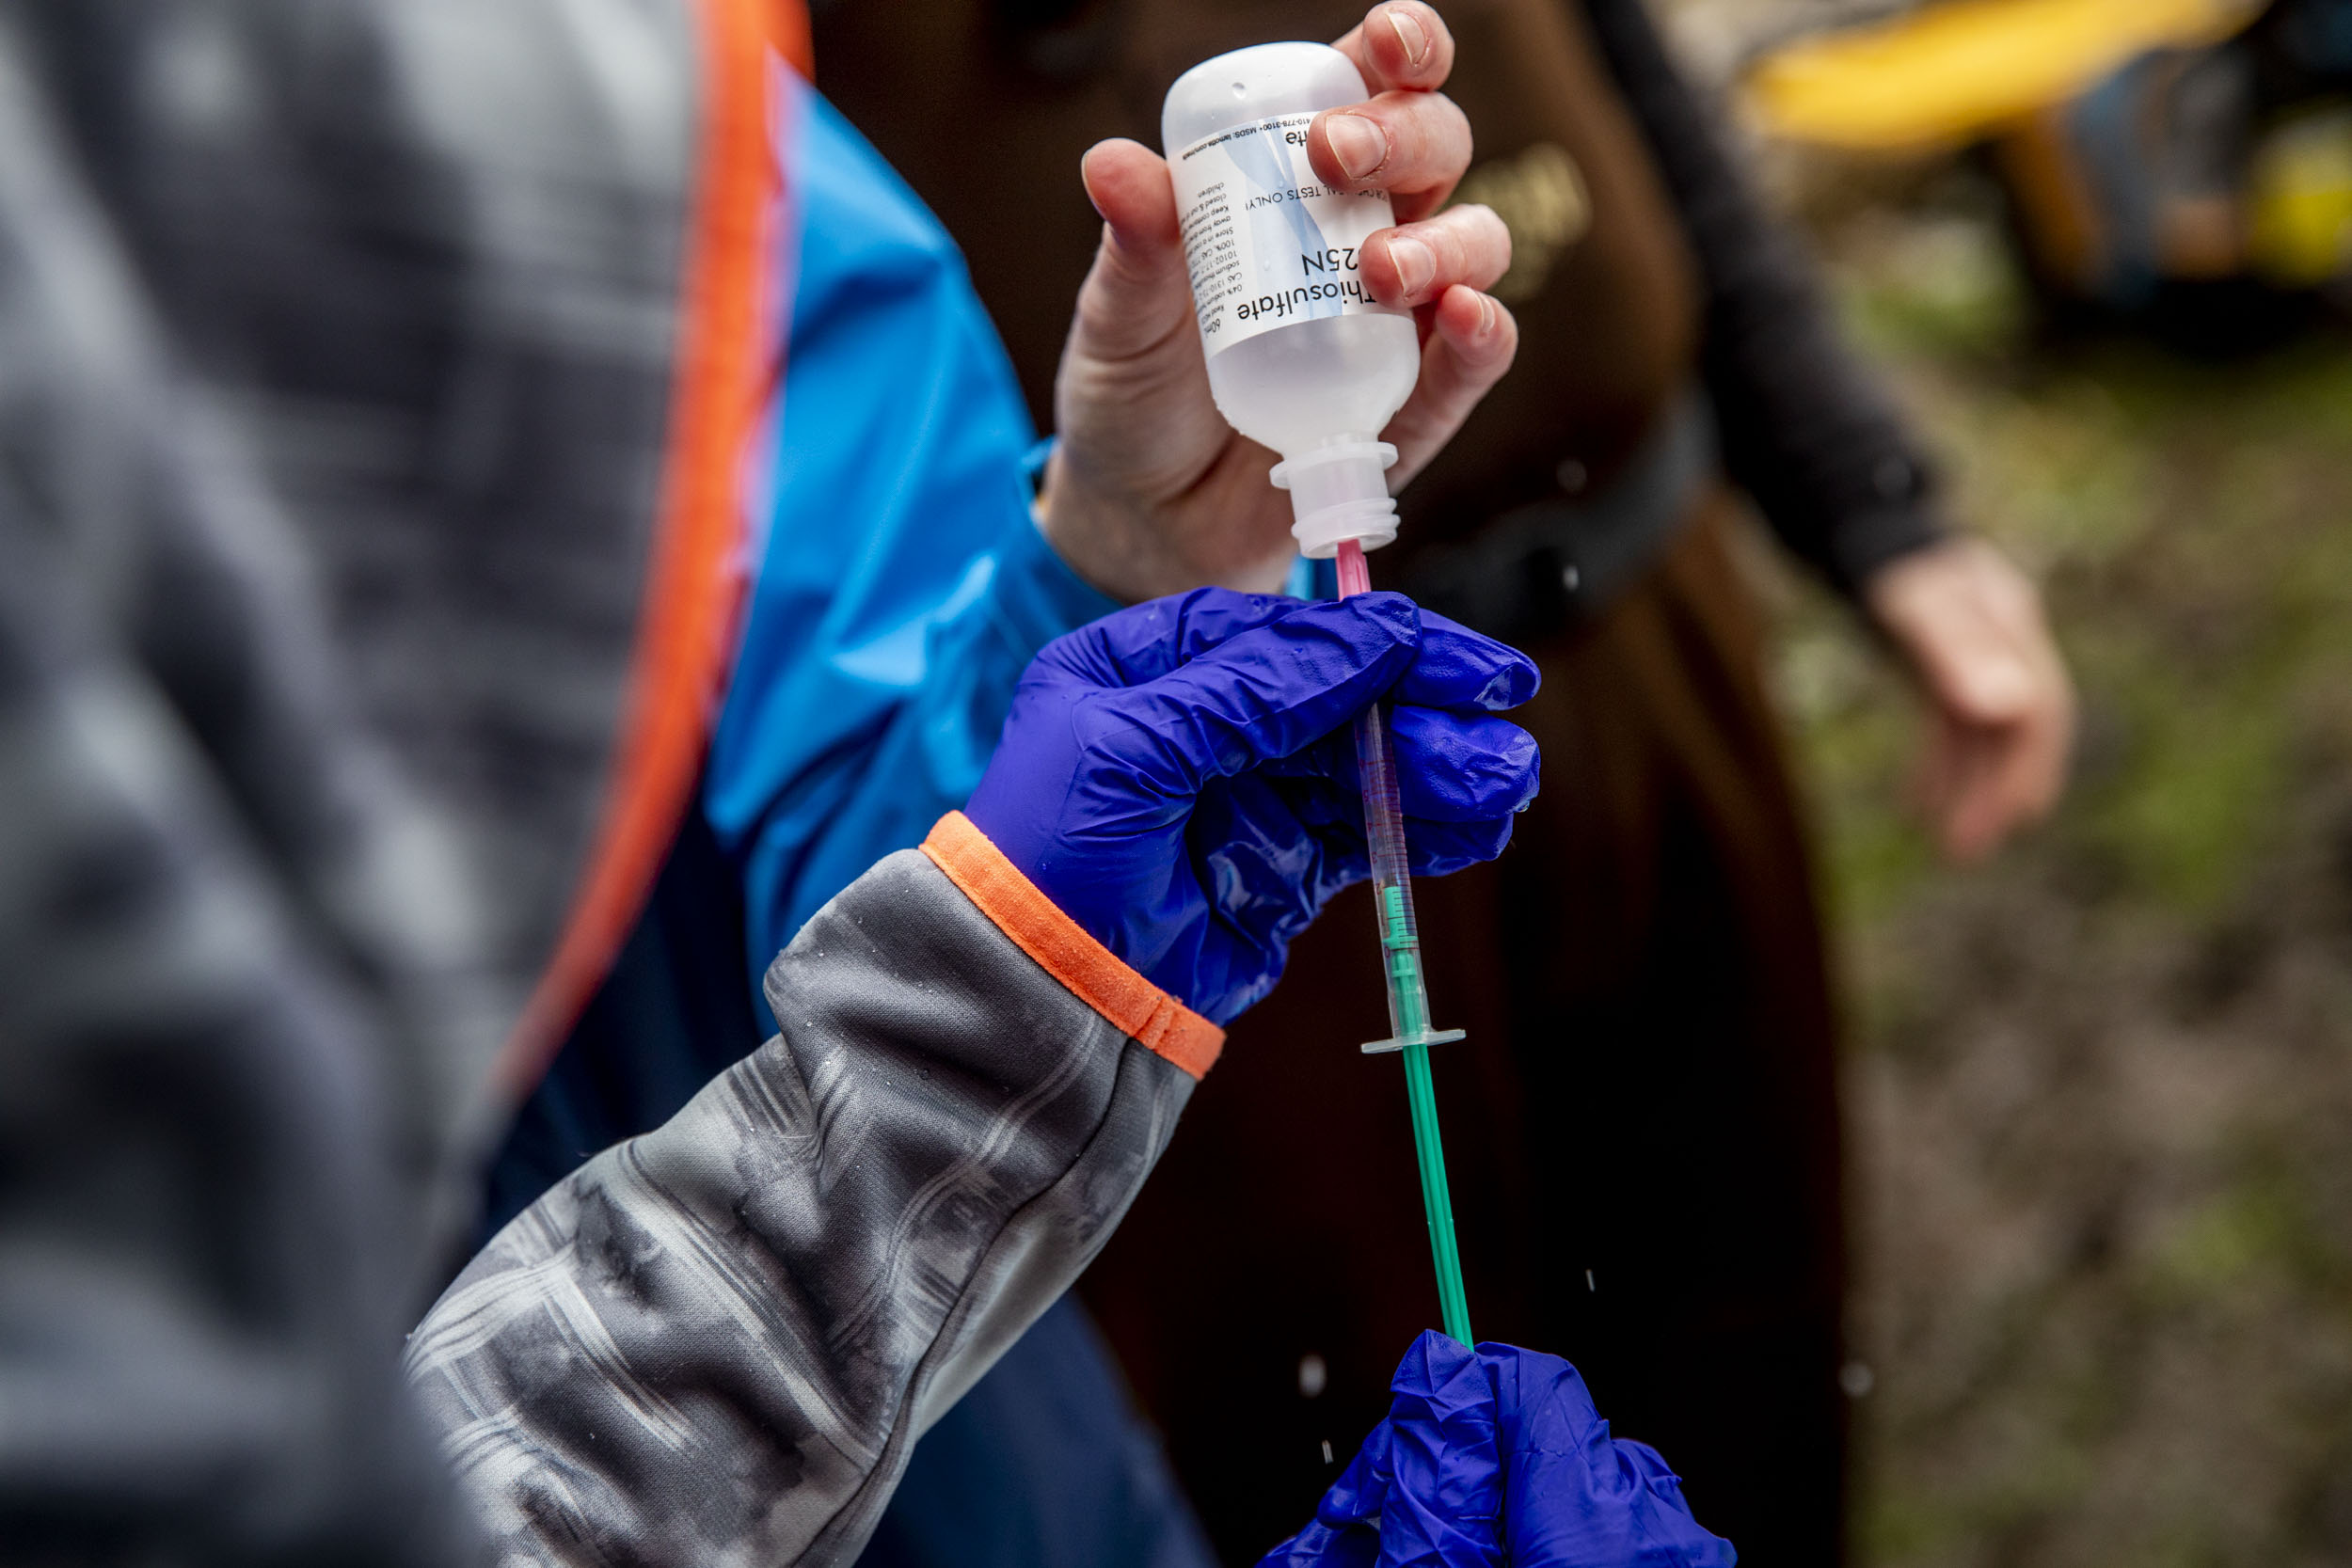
<point>695,588</point>
<point>1133,1004</point>
<point>788,35</point>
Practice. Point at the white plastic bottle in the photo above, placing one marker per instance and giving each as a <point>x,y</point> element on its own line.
<point>1300,358</point>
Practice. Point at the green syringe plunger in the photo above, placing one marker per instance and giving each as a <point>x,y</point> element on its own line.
<point>1408,997</point>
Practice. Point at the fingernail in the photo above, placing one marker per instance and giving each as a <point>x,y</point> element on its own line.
<point>1409,34</point>
<point>1361,145</point>
<point>1415,264</point>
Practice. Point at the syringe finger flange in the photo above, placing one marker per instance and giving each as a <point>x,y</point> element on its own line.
<point>1440,1036</point>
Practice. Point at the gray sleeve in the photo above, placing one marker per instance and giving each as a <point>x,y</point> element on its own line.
<point>716,1343</point>
<point>202,1251</point>
<point>197,1296</point>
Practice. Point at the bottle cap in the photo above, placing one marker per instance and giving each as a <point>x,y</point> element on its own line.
<point>1340,492</point>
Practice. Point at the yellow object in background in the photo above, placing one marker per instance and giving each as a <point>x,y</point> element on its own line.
<point>1954,72</point>
<point>2299,227</point>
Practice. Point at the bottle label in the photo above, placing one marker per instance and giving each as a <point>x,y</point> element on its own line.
<point>1267,242</point>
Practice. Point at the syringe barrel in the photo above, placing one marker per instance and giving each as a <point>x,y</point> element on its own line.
<point>1400,961</point>
<point>1392,884</point>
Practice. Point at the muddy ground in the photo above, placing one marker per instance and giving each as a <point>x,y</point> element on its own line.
<point>2100,1091</point>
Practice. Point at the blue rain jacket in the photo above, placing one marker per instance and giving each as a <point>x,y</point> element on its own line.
<point>902,583</point>
<point>898,587</point>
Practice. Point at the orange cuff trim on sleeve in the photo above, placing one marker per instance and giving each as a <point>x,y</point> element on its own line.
<point>695,570</point>
<point>1154,1020</point>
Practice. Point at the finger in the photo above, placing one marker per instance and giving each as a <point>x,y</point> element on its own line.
<point>1417,262</point>
<point>1463,767</point>
<point>1968,815</point>
<point>1976,672</point>
<point>1262,864</point>
<point>1335,814</point>
<point>2050,741</point>
<point>1403,45</point>
<point>1260,696</point>
<point>1964,655</point>
<point>2048,747</point>
<point>1456,667</point>
<point>1936,774</point>
<point>1993,778</point>
<point>1449,766</point>
<point>1133,191</point>
<point>2016,778</point>
<point>1269,869</point>
<point>1980,815</point>
<point>1979,821</point>
<point>1441,848</point>
<point>1145,642</point>
<point>1461,668</point>
<point>1973,628</point>
<point>1137,292</point>
<point>1332,814</point>
<point>1471,341</point>
<point>2027,769</point>
<point>1416,145</point>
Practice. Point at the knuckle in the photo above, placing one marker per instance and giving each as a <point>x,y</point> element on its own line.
<point>1446,240</point>
<point>1426,130</point>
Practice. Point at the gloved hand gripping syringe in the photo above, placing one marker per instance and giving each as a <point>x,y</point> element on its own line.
<point>1303,360</point>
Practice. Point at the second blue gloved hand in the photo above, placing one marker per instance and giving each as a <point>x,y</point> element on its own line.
<point>1493,1457</point>
<point>1180,777</point>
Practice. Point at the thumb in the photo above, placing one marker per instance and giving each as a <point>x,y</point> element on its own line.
<point>1139,292</point>
<point>1263,694</point>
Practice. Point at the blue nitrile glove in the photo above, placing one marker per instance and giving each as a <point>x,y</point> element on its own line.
<point>1497,1457</point>
<point>1180,777</point>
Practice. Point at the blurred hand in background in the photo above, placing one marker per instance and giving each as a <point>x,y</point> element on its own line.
<point>1971,627</point>
<point>1150,491</point>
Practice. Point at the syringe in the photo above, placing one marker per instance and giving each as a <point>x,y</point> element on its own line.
<point>1409,996</point>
